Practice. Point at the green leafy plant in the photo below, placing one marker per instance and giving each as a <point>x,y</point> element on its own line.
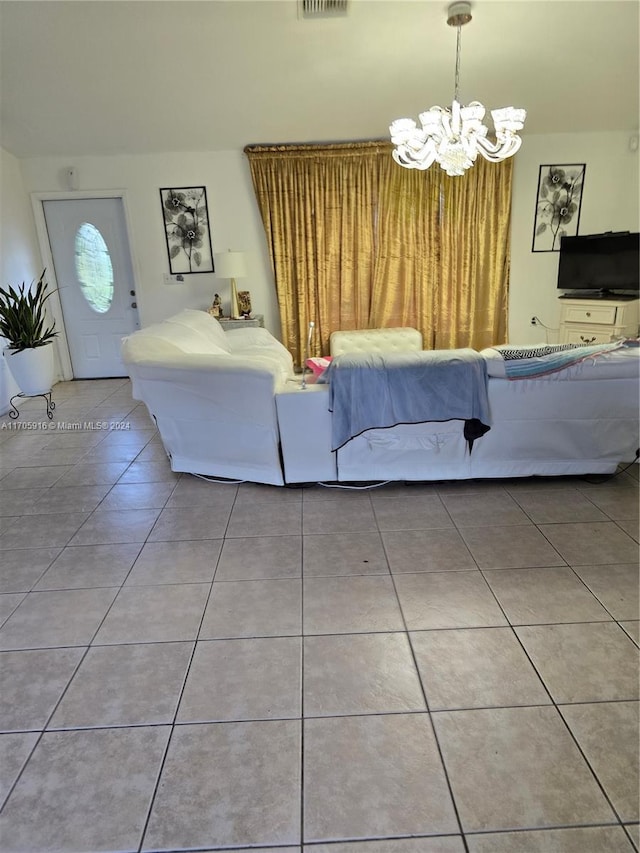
<point>22,316</point>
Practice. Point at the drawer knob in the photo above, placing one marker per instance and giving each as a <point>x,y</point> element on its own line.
<point>588,313</point>
<point>587,340</point>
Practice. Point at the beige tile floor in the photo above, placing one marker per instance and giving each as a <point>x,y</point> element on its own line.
<point>426,668</point>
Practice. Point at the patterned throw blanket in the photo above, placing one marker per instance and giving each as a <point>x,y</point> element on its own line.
<point>524,363</point>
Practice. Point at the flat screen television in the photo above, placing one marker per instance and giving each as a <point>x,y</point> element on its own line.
<point>599,266</point>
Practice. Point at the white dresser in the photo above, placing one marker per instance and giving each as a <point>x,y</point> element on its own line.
<point>596,321</point>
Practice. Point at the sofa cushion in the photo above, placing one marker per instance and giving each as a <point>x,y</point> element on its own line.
<point>202,324</point>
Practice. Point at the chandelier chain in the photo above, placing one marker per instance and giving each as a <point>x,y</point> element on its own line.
<point>457,77</point>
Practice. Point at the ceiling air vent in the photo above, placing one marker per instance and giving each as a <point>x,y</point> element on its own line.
<point>323,8</point>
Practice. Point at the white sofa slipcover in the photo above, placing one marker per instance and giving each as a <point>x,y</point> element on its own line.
<point>227,404</point>
<point>212,394</point>
<point>581,420</point>
<point>306,426</point>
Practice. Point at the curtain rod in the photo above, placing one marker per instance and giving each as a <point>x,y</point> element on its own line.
<point>314,147</point>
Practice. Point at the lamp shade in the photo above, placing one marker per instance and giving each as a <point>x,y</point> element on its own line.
<point>231,265</point>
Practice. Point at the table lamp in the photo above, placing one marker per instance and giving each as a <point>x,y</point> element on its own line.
<point>232,265</point>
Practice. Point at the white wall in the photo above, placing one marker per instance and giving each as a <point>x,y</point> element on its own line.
<point>234,220</point>
<point>610,202</point>
<point>19,253</point>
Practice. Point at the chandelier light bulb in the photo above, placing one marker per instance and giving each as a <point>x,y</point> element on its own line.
<point>453,137</point>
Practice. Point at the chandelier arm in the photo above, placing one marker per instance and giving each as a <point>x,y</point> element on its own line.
<point>500,149</point>
<point>408,159</point>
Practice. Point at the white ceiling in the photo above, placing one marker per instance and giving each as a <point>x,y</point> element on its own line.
<point>137,77</point>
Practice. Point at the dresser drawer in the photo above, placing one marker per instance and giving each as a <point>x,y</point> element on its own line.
<point>586,337</point>
<point>600,314</point>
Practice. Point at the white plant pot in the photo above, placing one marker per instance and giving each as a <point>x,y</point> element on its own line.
<point>32,369</point>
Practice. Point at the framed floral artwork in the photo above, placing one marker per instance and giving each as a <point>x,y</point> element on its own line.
<point>558,205</point>
<point>186,225</point>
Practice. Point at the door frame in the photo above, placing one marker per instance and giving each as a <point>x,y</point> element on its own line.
<point>61,342</point>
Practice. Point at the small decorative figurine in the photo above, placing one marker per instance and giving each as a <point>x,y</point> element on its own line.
<point>244,303</point>
<point>216,307</point>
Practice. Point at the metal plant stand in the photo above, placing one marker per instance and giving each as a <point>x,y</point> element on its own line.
<point>15,413</point>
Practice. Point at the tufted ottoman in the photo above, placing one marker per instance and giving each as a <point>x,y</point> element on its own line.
<point>375,340</point>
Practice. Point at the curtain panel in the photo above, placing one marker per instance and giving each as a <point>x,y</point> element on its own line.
<point>356,241</point>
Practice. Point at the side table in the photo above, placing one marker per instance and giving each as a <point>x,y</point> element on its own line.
<point>255,322</point>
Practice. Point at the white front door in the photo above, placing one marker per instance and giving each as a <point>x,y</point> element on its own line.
<point>93,269</point>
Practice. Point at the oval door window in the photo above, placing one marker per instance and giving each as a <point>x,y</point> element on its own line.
<point>94,268</point>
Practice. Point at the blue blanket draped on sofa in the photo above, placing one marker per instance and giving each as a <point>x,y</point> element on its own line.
<point>374,391</point>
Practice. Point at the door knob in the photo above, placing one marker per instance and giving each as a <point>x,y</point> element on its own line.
<point>134,304</point>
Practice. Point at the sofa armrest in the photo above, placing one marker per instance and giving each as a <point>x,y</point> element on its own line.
<point>216,414</point>
<point>205,368</point>
<point>227,397</point>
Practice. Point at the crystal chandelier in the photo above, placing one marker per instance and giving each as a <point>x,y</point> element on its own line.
<point>454,137</point>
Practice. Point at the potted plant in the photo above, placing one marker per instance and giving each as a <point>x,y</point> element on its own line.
<point>28,352</point>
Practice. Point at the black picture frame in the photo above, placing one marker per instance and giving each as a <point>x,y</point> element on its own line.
<point>186,229</point>
<point>558,204</point>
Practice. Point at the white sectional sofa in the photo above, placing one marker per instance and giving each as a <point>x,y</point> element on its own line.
<point>229,405</point>
<point>212,394</point>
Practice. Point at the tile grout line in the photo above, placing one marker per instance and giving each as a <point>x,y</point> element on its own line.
<point>556,707</point>
<point>434,733</point>
<point>174,723</point>
<point>64,692</point>
<point>73,674</point>
<point>405,632</point>
<point>224,722</point>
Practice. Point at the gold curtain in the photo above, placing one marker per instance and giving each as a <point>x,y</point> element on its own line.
<point>406,270</point>
<point>442,260</point>
<point>356,241</point>
<point>318,204</point>
<point>470,302</point>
